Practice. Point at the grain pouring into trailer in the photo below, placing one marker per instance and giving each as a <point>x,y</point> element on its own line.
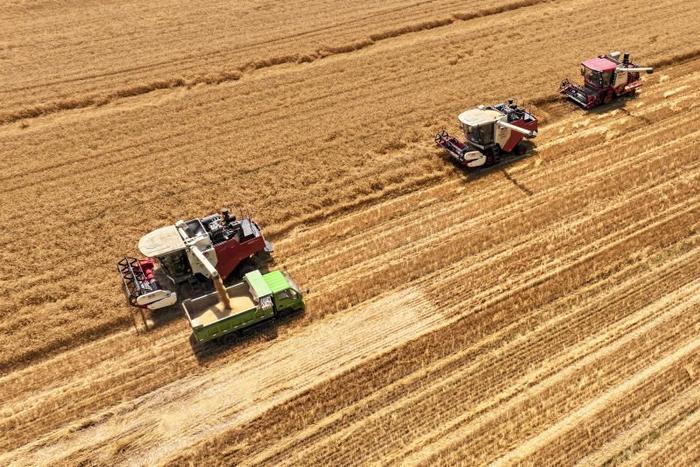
<point>258,297</point>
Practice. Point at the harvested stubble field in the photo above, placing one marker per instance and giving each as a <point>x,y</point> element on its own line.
<point>547,311</point>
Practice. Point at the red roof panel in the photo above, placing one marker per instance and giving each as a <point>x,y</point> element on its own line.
<point>600,64</point>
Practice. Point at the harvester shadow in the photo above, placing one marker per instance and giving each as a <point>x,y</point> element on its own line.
<point>475,174</point>
<point>617,104</point>
<point>620,105</point>
<point>217,349</point>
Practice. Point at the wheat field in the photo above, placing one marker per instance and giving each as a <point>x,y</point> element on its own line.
<point>543,312</point>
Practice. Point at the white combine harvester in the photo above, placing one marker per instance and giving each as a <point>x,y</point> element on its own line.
<point>490,132</point>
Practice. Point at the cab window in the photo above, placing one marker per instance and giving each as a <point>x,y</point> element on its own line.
<point>592,77</point>
<point>480,134</point>
<point>287,294</point>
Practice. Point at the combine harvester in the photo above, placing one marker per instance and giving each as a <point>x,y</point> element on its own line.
<point>605,78</point>
<point>490,132</point>
<point>188,253</point>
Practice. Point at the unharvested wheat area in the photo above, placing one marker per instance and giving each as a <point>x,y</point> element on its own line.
<point>543,312</point>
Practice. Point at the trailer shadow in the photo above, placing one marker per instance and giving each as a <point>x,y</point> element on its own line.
<point>212,351</point>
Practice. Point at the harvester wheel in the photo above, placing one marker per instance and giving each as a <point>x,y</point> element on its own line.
<point>493,157</point>
<point>245,267</point>
<point>520,149</point>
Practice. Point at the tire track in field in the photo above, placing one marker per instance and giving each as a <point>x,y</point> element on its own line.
<point>600,403</point>
<point>577,258</point>
<point>627,443</point>
<point>253,394</point>
<point>263,419</point>
<point>180,405</point>
<point>431,244</point>
<point>680,443</point>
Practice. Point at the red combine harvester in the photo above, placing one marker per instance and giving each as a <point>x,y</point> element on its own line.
<point>214,247</point>
<point>605,78</point>
<point>490,131</point>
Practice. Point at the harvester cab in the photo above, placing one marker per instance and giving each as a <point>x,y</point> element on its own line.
<point>212,247</point>
<point>490,131</point>
<point>605,78</point>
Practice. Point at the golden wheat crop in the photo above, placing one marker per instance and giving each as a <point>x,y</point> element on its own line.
<point>542,312</point>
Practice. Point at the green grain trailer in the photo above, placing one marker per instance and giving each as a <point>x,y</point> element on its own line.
<point>257,298</point>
